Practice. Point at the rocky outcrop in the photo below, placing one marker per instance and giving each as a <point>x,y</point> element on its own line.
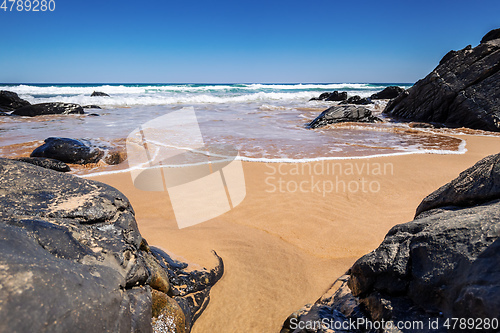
<point>48,108</point>
<point>331,97</point>
<point>73,260</point>
<point>388,93</point>
<point>99,94</point>
<point>444,264</point>
<point>463,90</point>
<point>343,113</point>
<point>10,101</point>
<point>69,151</point>
<point>357,100</point>
<point>47,163</point>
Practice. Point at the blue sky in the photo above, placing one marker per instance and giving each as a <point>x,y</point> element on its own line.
<point>164,41</point>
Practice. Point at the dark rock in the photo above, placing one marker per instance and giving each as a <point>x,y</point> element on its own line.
<point>357,100</point>
<point>93,115</point>
<point>492,35</point>
<point>474,186</point>
<point>68,151</point>
<point>91,107</point>
<point>343,113</point>
<point>74,260</point>
<point>388,93</point>
<point>334,96</point>
<point>463,90</point>
<point>48,108</point>
<point>444,264</point>
<point>47,163</point>
<point>98,94</point>
<point>10,101</point>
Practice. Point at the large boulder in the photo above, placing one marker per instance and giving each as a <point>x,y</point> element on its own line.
<point>388,93</point>
<point>444,264</point>
<point>48,108</point>
<point>69,151</point>
<point>73,260</point>
<point>343,113</point>
<point>463,90</point>
<point>10,101</point>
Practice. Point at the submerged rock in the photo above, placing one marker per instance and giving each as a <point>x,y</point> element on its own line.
<point>48,108</point>
<point>47,163</point>
<point>388,93</point>
<point>444,264</point>
<point>463,90</point>
<point>99,94</point>
<point>10,101</point>
<point>343,113</point>
<point>68,151</point>
<point>73,260</point>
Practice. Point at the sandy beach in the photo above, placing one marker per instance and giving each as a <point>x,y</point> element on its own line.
<point>283,247</point>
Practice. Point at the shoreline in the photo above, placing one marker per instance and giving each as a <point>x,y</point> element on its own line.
<point>282,250</point>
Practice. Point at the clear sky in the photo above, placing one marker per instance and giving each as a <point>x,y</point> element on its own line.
<point>237,41</point>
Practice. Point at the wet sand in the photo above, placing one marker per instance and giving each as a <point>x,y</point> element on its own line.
<point>281,249</point>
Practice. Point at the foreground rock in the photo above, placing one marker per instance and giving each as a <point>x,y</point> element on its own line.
<point>444,264</point>
<point>10,101</point>
<point>463,90</point>
<point>343,113</point>
<point>99,94</point>
<point>388,93</point>
<point>331,97</point>
<point>48,108</point>
<point>47,163</point>
<point>73,260</point>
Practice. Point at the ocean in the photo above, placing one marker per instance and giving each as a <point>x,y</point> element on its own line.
<point>265,122</point>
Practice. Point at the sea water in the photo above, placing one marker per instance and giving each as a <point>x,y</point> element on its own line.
<point>265,122</point>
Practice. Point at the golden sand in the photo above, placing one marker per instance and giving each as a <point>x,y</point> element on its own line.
<point>281,249</point>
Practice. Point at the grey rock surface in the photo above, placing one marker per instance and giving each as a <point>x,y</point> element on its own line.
<point>343,113</point>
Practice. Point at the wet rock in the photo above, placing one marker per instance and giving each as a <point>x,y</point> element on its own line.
<point>91,107</point>
<point>73,260</point>
<point>462,91</point>
<point>10,101</point>
<point>444,264</point>
<point>333,96</point>
<point>68,151</point>
<point>357,100</point>
<point>388,93</point>
<point>99,94</point>
<point>48,108</point>
<point>343,113</point>
<point>47,163</point>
